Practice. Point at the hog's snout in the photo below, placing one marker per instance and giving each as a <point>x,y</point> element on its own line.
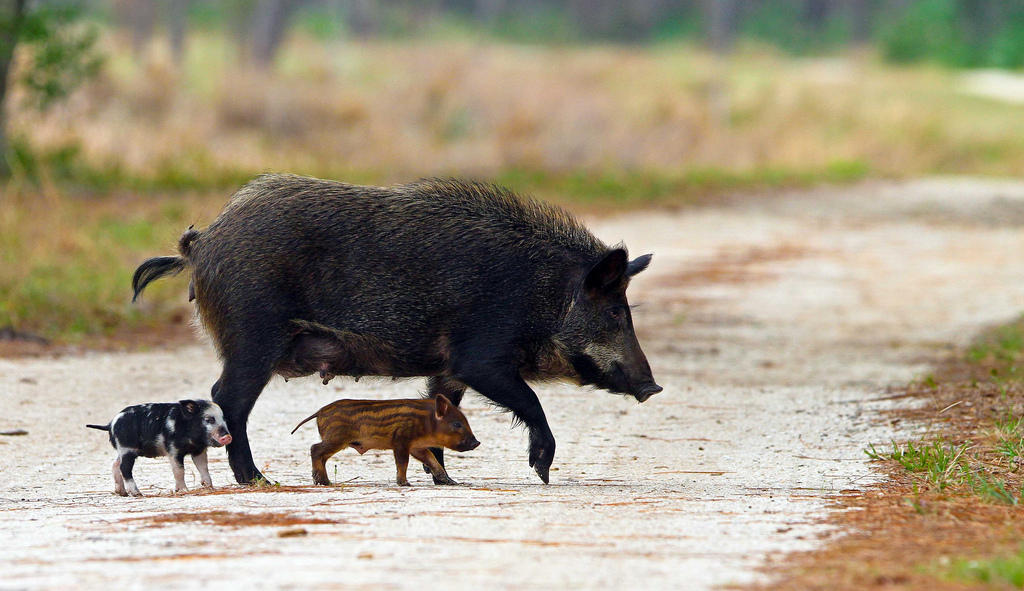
<point>647,391</point>
<point>218,440</point>
<point>469,444</point>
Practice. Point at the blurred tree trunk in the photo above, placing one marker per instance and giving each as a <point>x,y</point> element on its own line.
<point>488,11</point>
<point>860,21</point>
<point>632,20</point>
<point>721,22</point>
<point>141,19</point>
<point>721,19</point>
<point>178,24</point>
<point>269,24</point>
<point>981,20</point>
<point>816,13</point>
<point>362,18</point>
<point>10,28</point>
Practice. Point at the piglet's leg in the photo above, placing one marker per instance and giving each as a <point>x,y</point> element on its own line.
<point>127,461</point>
<point>178,467</point>
<point>320,453</point>
<point>204,471</point>
<point>118,479</point>
<point>401,463</point>
<point>426,456</point>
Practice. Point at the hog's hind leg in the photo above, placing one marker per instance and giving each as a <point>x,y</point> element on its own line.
<point>401,464</point>
<point>178,467</point>
<point>236,392</point>
<point>320,453</point>
<point>118,479</point>
<point>127,462</point>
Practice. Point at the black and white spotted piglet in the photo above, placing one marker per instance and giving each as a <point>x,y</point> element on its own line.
<point>175,430</point>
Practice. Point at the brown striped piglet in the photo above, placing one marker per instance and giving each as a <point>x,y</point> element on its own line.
<point>408,427</point>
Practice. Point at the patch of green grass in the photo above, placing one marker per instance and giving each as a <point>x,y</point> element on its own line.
<point>991,489</point>
<point>197,172</point>
<point>939,461</point>
<point>67,261</point>
<point>992,571</point>
<point>689,186</point>
<point>1001,345</point>
<point>1010,438</point>
<point>65,166</point>
<point>970,468</point>
<point>948,466</point>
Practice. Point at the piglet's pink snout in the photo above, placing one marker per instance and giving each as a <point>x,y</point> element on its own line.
<point>224,440</point>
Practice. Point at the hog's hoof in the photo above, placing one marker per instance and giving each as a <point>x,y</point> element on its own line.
<point>444,481</point>
<point>206,484</point>
<point>121,493</point>
<point>321,481</point>
<point>135,493</point>
<point>250,475</point>
<point>542,454</point>
<point>403,483</point>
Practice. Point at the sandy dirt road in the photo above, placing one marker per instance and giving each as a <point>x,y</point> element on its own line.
<point>774,323</point>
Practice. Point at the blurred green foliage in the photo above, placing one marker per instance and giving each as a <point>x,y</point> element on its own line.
<point>60,50</point>
<point>957,33</point>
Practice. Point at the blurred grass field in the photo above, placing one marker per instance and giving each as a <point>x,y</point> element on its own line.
<point>115,174</point>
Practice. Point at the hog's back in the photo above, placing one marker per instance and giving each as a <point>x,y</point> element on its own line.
<point>404,263</point>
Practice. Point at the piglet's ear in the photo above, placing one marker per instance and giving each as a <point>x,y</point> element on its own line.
<point>441,406</point>
<point>188,407</point>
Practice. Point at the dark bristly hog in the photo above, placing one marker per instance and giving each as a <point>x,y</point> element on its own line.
<point>465,283</point>
<point>408,427</point>
<point>175,430</point>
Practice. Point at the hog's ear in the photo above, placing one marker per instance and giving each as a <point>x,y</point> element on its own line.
<point>188,407</point>
<point>638,264</point>
<point>608,275</point>
<point>441,406</point>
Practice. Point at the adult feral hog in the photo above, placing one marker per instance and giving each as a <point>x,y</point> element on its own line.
<point>464,283</point>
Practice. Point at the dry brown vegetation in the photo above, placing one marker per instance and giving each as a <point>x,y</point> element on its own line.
<point>399,110</point>
<point>227,519</point>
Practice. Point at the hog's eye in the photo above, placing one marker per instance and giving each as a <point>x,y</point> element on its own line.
<point>210,421</point>
<point>457,425</point>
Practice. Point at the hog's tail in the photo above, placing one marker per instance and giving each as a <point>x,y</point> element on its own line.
<point>304,421</point>
<point>157,267</point>
<point>100,427</point>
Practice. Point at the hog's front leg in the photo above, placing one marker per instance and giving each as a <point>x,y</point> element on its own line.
<point>401,463</point>
<point>426,456</point>
<point>200,461</point>
<point>508,389</point>
<point>178,467</point>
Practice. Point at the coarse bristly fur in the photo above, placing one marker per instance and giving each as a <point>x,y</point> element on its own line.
<point>462,282</point>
